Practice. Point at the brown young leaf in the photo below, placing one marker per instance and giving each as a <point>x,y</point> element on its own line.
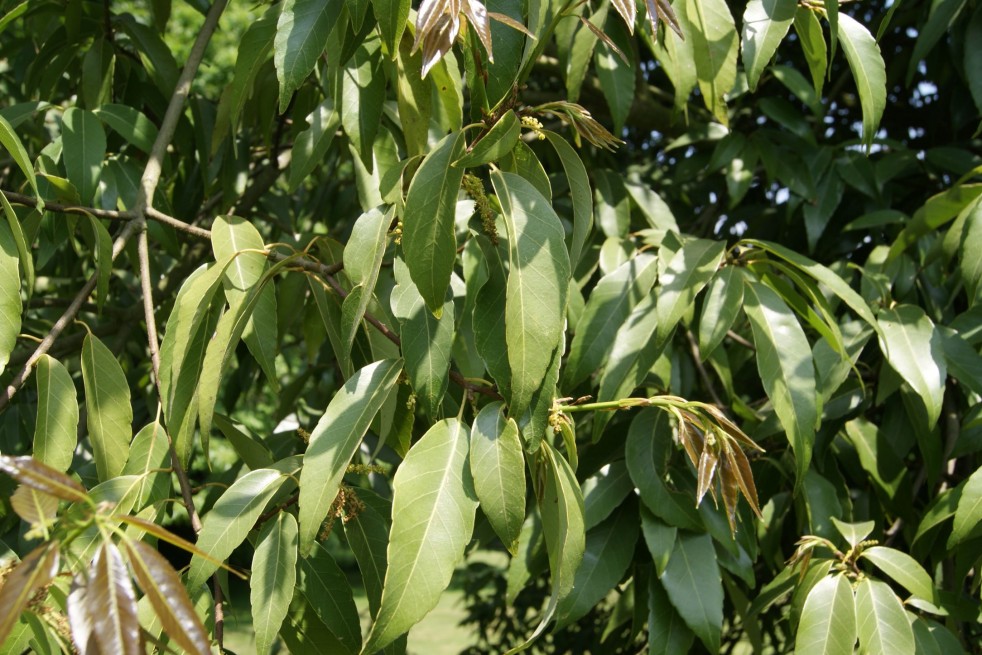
<point>505,19</point>
<point>28,471</point>
<point>477,16</point>
<point>728,483</point>
<point>662,10</point>
<point>35,507</point>
<point>115,626</point>
<point>437,25</point>
<point>600,34</point>
<point>80,615</point>
<point>705,471</point>
<point>36,570</point>
<point>166,594</point>
<point>744,477</point>
<point>627,10</point>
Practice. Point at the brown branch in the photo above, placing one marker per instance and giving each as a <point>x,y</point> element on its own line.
<point>703,373</point>
<point>27,201</point>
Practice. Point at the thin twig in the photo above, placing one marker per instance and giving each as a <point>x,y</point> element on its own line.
<point>27,201</point>
<point>736,338</point>
<point>143,254</point>
<point>703,373</point>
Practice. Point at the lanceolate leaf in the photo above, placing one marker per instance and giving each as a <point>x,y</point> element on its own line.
<point>765,24</point>
<point>129,123</point>
<point>170,601</point>
<point>968,515</point>
<point>812,39</point>
<point>11,143</point>
<point>607,555</point>
<point>362,99</point>
<point>561,507</point>
<point>914,349</point>
<point>667,632</point>
<point>301,34</point>
<point>109,415</point>
<point>233,515</point>
<point>538,282</point>
<point>496,143</point>
<point>274,576</point>
<point>784,361</point>
<point>363,257</point>
<point>868,70</point>
<point>326,588</point>
<point>311,146</point>
<point>11,305</point>
<point>392,16</point>
<point>692,581</point>
<point>55,433</point>
<point>37,569</point>
<point>715,44</point>
<point>498,467</point>
<point>685,276</point>
<point>719,309</point>
<point>84,143</point>
<point>903,568</point>
<point>429,241</point>
<point>426,342</point>
<point>828,619</point>
<point>253,52</point>
<point>881,620</point>
<point>335,440</point>
<point>580,192</point>
<point>433,511</point>
<point>114,623</point>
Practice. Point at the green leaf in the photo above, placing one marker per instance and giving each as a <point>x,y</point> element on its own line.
<point>904,569</point>
<point>489,315</point>
<point>660,539</point>
<point>561,508</point>
<point>646,453</point>
<point>609,305</point>
<point>109,415</point>
<point>607,555</point>
<point>881,620</point>
<point>914,349</point>
<point>854,533</point>
<point>250,448</point>
<point>231,236</point>
<point>301,34</point>
<point>23,247</point>
<point>150,458</point>
<point>130,124</point>
<point>11,305</point>
<point>667,632</point>
<point>12,144</point>
<point>869,71</point>
<point>254,48</point>
<point>940,20</point>
<point>828,618</point>
<point>687,272</point>
<point>973,57</point>
<point>234,514</point>
<point>604,491</point>
<point>715,44</point>
<point>274,576</point>
<point>538,283</point>
<point>328,593</point>
<point>362,256</point>
<point>495,144</point>
<point>392,16</point>
<point>812,39</point>
<point>784,360</point>
<point>113,603</point>
<point>304,632</point>
<point>579,191</point>
<point>693,584</point>
<point>104,258</point>
<point>362,99</point>
<point>83,148</point>
<point>615,76</point>
<point>335,439</point>
<point>719,309</point>
<point>765,24</point>
<point>428,239</point>
<point>311,146</point>
<point>367,533</point>
<point>433,510</point>
<point>38,568</point>
<point>968,515</point>
<point>968,263</point>
<point>825,276</point>
<point>166,594</point>
<point>498,468</point>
